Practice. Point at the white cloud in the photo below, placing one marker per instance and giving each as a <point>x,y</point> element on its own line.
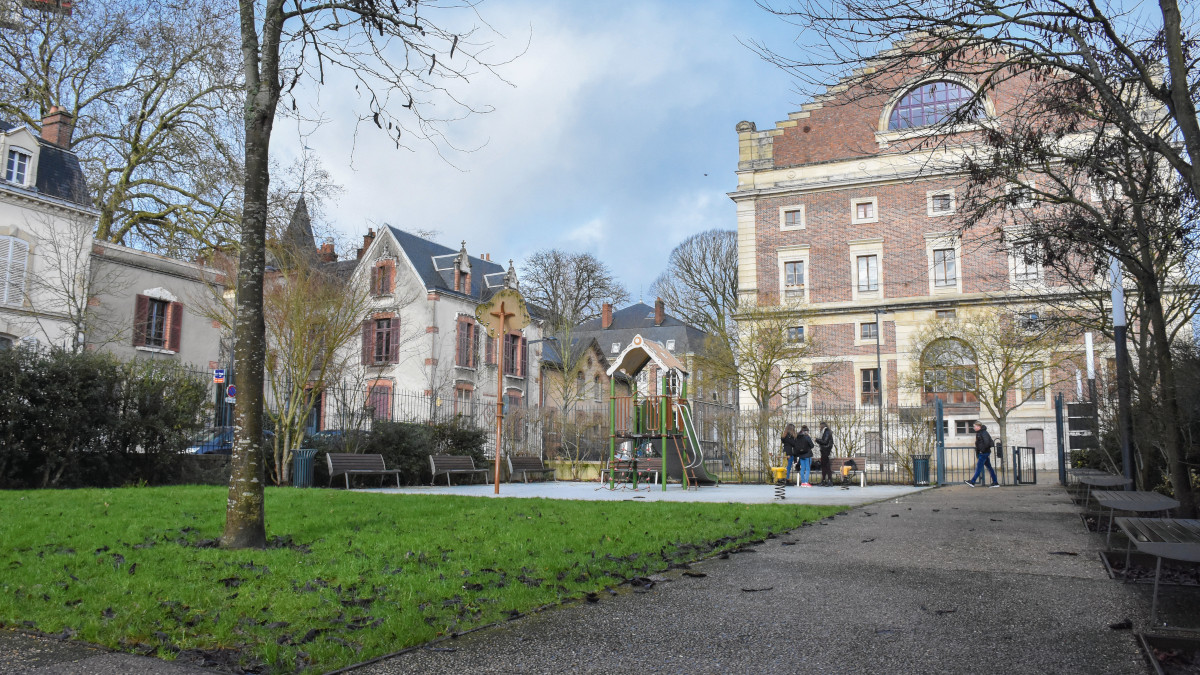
<point>617,114</point>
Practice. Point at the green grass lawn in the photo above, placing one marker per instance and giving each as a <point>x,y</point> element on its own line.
<point>349,576</point>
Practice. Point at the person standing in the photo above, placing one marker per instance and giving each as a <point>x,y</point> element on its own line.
<point>789,448</point>
<point>825,446</point>
<point>804,455</point>
<point>983,455</point>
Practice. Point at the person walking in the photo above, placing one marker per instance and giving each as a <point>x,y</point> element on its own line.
<point>825,446</point>
<point>804,454</point>
<point>789,448</point>
<point>983,455</point>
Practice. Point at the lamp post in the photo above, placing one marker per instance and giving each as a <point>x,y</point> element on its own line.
<point>1122,354</point>
<point>879,370</point>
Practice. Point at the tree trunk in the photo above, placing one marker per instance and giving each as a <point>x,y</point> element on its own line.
<point>1177,468</point>
<point>245,519</point>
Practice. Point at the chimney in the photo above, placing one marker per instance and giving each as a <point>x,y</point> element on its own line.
<point>659,313</point>
<point>606,315</point>
<point>57,127</point>
<point>367,239</point>
<point>327,254</point>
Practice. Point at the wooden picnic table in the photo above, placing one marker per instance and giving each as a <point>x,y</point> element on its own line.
<point>1176,539</point>
<point>1137,501</point>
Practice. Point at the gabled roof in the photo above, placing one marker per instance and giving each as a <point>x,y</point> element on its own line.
<point>435,265</point>
<point>639,319</point>
<point>59,173</point>
<point>640,353</point>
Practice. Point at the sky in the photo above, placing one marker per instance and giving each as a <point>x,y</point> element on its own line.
<point>614,135</point>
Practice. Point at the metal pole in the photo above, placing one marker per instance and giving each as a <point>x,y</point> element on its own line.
<point>1062,453</point>
<point>499,400</point>
<point>662,431</point>
<point>879,371</point>
<point>612,431</point>
<point>1122,354</point>
<point>941,442</point>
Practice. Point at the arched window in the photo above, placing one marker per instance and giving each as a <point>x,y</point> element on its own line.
<point>948,366</point>
<point>931,103</point>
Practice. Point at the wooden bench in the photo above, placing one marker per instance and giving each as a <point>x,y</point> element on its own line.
<point>451,464</point>
<point>858,469</point>
<point>526,466</point>
<point>350,464</point>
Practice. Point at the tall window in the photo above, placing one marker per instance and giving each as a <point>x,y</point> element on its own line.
<point>514,355</point>
<point>1033,382</point>
<point>14,256</point>
<point>868,273</point>
<point>793,275</point>
<point>16,169</point>
<point>1026,262</point>
<point>596,387</point>
<point>464,351</point>
<point>156,323</point>
<point>672,378</point>
<point>945,273</point>
<point>870,394</point>
<point>383,340</point>
<point>869,331</point>
<point>795,391</point>
<point>383,277</point>
<point>930,104</point>
<point>463,400</point>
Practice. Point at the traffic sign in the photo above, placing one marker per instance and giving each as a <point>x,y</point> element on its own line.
<point>219,376</point>
<point>230,399</point>
<point>230,391</point>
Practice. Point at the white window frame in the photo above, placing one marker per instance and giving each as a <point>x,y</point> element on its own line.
<point>935,241</point>
<point>858,388</point>
<point>863,247</point>
<point>1016,263</point>
<point>859,340</point>
<point>929,198</point>
<point>803,334</point>
<point>796,391</point>
<point>670,345</point>
<point>953,314</point>
<point>795,208</point>
<point>854,204</point>
<point>1024,203</point>
<point>616,348</point>
<point>1031,369</point>
<point>16,150</point>
<point>793,254</point>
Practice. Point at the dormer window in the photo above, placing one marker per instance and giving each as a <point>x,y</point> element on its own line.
<point>16,168</point>
<point>931,103</point>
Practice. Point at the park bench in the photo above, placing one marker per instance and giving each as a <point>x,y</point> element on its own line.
<point>526,466</point>
<point>452,464</point>
<point>857,465</point>
<point>350,464</point>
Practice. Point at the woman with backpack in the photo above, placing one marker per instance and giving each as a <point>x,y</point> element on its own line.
<point>804,455</point>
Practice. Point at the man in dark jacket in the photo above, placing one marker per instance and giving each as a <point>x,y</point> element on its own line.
<point>825,446</point>
<point>983,454</point>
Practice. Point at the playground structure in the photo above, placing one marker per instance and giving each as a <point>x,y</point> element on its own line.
<point>663,419</point>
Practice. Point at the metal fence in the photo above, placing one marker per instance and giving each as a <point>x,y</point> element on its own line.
<point>739,446</point>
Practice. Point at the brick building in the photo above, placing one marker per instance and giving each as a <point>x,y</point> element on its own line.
<point>849,207</point>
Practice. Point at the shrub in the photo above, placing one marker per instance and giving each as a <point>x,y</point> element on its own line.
<point>73,420</point>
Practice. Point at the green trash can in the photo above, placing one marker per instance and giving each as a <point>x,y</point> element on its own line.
<point>920,466</point>
<point>302,467</point>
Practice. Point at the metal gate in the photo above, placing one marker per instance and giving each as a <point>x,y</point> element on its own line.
<point>1024,466</point>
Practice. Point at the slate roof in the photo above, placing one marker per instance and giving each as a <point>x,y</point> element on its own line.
<point>435,265</point>
<point>639,319</point>
<point>59,173</point>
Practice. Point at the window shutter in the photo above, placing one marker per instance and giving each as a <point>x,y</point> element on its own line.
<point>141,310</point>
<point>490,351</point>
<point>175,332</point>
<point>13,278</point>
<point>368,342</point>
<point>6,245</point>
<point>524,358</point>
<point>394,352</point>
<point>389,277</point>
<point>474,344</point>
<point>375,281</point>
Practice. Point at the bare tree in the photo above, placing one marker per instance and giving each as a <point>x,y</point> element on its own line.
<point>571,287</point>
<point>402,59</point>
<point>700,283</point>
<point>567,388</point>
<point>152,90</point>
<point>1000,359</point>
<point>763,355</point>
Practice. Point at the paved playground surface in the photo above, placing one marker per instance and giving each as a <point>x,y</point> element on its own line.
<point>739,494</point>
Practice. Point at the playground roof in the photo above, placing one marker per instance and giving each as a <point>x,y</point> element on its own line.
<point>640,353</point>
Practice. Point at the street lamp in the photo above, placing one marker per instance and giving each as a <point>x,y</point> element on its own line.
<point>1122,354</point>
<point>879,370</point>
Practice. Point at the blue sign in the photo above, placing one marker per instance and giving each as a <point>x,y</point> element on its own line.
<point>219,376</point>
<point>231,391</point>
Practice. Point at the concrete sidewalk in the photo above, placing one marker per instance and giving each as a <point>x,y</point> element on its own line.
<point>952,580</point>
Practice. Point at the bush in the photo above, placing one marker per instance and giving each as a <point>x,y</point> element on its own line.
<point>75,420</point>
<point>407,446</point>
